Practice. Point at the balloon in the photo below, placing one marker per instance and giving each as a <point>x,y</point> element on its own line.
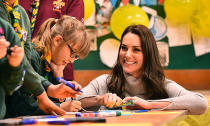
<point>180,11</point>
<point>127,15</point>
<point>89,6</point>
<point>109,52</point>
<point>200,23</point>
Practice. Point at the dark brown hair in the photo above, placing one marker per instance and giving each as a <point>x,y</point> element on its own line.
<point>152,74</point>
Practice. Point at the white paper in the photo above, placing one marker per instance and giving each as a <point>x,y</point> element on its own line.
<point>179,34</point>
<point>163,52</point>
<point>201,45</point>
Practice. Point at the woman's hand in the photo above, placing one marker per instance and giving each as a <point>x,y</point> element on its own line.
<point>109,100</point>
<point>139,102</point>
<point>71,106</point>
<point>57,69</point>
<point>16,56</point>
<point>63,91</point>
<point>143,104</point>
<point>3,47</point>
<point>47,106</point>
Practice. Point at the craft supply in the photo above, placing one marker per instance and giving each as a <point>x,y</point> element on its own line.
<point>81,119</point>
<point>99,114</point>
<point>68,84</point>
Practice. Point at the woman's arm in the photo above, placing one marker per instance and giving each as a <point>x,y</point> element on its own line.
<point>96,94</point>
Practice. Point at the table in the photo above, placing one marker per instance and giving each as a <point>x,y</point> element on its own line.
<point>151,118</point>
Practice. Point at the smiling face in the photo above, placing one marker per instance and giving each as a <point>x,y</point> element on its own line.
<point>131,55</point>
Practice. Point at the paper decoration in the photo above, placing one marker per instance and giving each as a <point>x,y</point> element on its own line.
<point>201,45</point>
<point>109,52</point>
<point>163,52</point>
<point>179,34</point>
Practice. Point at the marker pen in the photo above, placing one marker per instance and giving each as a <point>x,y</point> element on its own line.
<point>72,113</point>
<point>13,122</point>
<point>99,114</point>
<point>138,111</point>
<point>39,117</point>
<point>67,84</point>
<point>61,121</point>
<point>81,119</point>
<point>109,114</point>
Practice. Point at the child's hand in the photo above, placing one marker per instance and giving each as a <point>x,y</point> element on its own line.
<point>3,47</point>
<point>71,106</point>
<point>16,56</point>
<point>63,91</point>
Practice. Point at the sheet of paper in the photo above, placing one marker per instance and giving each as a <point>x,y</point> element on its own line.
<point>163,52</point>
<point>179,34</point>
<point>201,45</point>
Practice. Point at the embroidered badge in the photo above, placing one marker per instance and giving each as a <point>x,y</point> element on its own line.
<point>58,4</point>
<point>1,33</point>
<point>24,33</point>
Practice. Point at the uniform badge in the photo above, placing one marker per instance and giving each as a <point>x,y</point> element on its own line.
<point>24,33</point>
<point>58,4</point>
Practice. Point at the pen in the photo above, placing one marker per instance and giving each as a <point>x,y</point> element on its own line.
<point>59,121</point>
<point>72,113</point>
<point>81,119</point>
<point>39,117</point>
<point>12,122</point>
<point>138,111</point>
<point>99,114</point>
<point>67,84</point>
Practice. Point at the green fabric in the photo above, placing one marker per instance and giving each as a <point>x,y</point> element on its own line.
<point>10,77</point>
<point>32,80</point>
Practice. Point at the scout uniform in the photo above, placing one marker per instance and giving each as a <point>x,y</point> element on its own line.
<point>34,84</point>
<point>10,78</point>
<point>53,9</point>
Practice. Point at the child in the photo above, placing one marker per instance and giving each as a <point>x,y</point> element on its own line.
<point>33,83</point>
<point>59,42</point>
<point>11,68</point>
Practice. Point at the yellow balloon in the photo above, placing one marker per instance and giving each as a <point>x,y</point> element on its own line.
<point>89,6</point>
<point>127,15</point>
<point>180,11</point>
<point>200,23</point>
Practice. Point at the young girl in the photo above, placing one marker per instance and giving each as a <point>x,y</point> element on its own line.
<point>138,75</point>
<point>59,42</point>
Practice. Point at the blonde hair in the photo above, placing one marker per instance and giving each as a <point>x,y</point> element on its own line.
<point>69,28</point>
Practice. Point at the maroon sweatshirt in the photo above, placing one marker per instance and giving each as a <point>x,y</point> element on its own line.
<point>47,10</point>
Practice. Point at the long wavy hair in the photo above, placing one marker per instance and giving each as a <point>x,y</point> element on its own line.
<point>69,28</point>
<point>152,74</point>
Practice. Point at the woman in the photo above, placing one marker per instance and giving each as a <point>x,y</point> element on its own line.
<point>59,42</point>
<point>138,75</point>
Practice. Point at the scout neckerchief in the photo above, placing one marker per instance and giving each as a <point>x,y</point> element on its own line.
<point>15,15</point>
<point>34,14</point>
<point>47,59</point>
